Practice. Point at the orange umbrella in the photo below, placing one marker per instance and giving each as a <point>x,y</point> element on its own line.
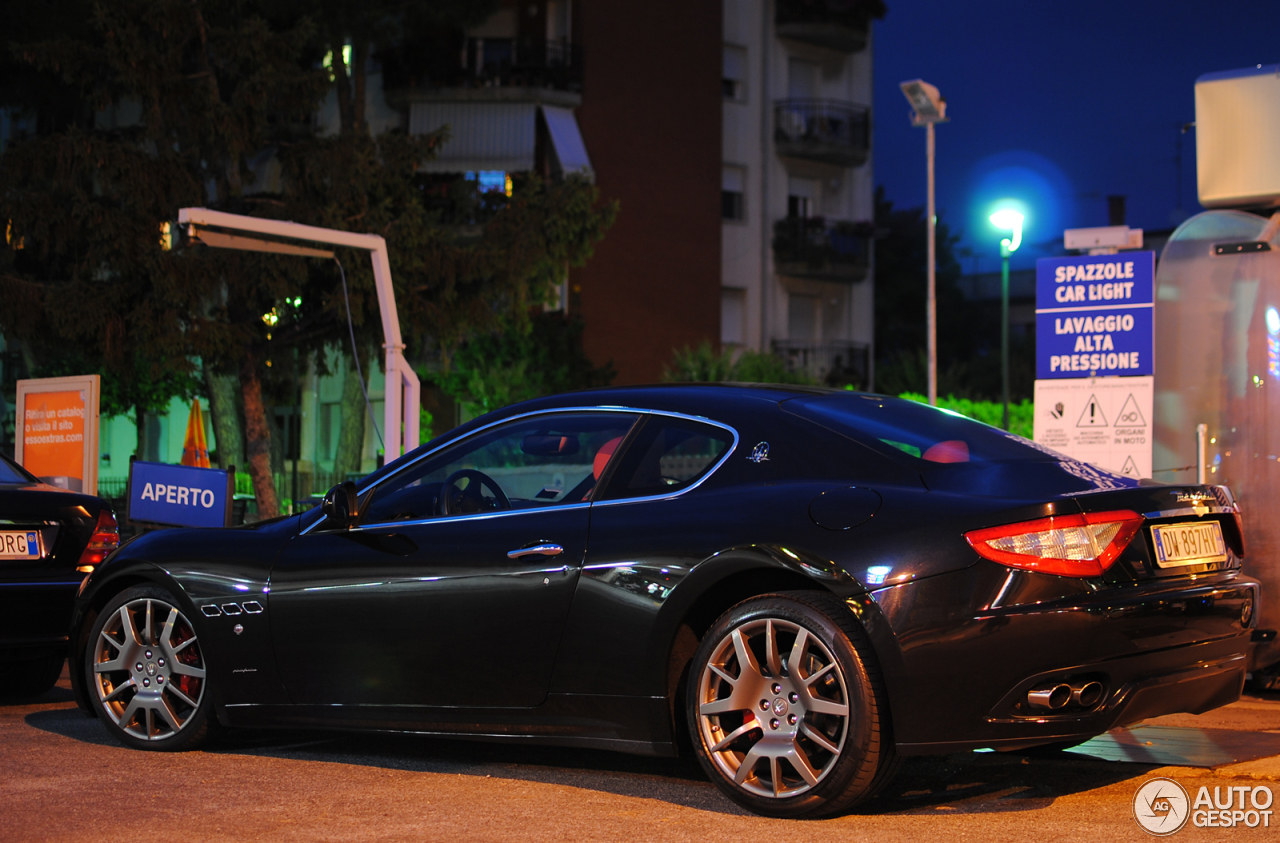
<point>195,449</point>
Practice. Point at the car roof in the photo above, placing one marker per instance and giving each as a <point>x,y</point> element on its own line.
<point>694,398</point>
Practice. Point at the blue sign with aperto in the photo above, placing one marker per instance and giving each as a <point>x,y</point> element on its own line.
<point>1094,316</point>
<point>178,495</point>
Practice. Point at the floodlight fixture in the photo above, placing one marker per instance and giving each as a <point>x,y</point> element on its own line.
<point>1008,219</point>
<point>929,105</point>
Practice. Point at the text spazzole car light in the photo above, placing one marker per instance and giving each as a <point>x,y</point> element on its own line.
<point>1068,545</point>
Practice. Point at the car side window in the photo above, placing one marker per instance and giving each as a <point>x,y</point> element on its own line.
<point>668,454</point>
<point>528,464</point>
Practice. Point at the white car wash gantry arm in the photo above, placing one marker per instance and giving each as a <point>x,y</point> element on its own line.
<point>403,392</point>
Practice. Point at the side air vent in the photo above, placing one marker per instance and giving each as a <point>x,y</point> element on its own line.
<point>231,609</point>
<point>210,611</point>
<point>253,607</point>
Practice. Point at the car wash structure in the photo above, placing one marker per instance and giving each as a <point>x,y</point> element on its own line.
<point>234,231</point>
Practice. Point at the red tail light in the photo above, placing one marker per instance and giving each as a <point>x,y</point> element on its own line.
<point>105,538</point>
<point>1068,545</point>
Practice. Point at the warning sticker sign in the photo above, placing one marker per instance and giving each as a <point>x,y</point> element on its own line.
<point>1092,416</point>
<point>1104,421</point>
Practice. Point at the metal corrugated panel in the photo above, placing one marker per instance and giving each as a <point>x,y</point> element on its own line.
<point>482,136</point>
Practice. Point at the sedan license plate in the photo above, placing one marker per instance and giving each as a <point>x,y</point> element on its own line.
<point>20,544</point>
<point>1196,543</point>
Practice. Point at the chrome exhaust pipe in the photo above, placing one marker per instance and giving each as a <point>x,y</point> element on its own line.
<point>1088,695</point>
<point>1051,697</point>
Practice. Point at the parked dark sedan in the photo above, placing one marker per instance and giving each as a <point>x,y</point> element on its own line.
<point>804,585</point>
<point>50,539</point>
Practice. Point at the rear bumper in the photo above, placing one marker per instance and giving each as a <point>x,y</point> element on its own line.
<point>1160,647</point>
<point>1167,683</point>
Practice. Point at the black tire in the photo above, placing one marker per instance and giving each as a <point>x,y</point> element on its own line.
<point>147,682</point>
<point>823,744</point>
<point>27,678</point>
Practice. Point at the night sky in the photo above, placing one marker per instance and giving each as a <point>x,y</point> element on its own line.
<point>1056,105</point>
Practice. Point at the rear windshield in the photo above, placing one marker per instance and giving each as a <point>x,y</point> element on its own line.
<point>927,435</point>
<point>11,472</point>
<point>951,452</point>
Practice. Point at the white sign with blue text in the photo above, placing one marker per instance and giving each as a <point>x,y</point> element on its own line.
<point>179,495</point>
<point>1094,316</point>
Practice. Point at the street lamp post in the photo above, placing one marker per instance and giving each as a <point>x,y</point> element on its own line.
<point>1006,220</point>
<point>929,108</point>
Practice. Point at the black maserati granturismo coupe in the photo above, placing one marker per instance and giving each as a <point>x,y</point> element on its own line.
<point>50,539</point>
<point>800,585</point>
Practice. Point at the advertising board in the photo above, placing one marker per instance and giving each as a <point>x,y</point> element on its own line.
<point>57,435</point>
<point>179,495</point>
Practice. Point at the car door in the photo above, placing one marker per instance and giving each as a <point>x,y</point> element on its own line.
<point>454,587</point>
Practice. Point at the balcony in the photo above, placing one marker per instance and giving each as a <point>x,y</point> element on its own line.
<point>841,25</point>
<point>830,131</point>
<point>811,247</point>
<point>835,362</point>
<point>522,63</point>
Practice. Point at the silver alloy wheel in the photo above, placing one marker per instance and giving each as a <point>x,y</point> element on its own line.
<point>774,730</point>
<point>148,669</point>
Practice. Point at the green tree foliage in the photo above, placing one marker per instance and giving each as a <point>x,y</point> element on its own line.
<point>968,332</point>
<point>212,85</point>
<point>222,88</point>
<point>517,363</point>
<point>1021,414</point>
<point>703,364</point>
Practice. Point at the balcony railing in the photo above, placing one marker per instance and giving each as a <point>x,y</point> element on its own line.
<point>523,63</point>
<point>836,362</point>
<point>823,130</point>
<point>811,247</point>
<point>836,24</point>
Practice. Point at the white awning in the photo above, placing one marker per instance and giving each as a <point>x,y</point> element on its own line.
<point>566,140</point>
<point>482,135</point>
<point>498,136</point>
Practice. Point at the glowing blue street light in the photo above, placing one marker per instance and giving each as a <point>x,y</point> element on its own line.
<point>1006,219</point>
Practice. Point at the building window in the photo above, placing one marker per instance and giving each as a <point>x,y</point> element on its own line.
<point>802,318</point>
<point>734,77</point>
<point>733,316</point>
<point>733,182</point>
<point>802,197</point>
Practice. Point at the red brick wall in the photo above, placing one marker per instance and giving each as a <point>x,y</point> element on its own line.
<point>650,118</point>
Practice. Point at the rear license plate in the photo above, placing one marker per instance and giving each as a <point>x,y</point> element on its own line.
<point>20,544</point>
<point>1197,543</point>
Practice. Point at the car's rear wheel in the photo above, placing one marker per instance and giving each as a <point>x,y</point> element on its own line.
<point>786,707</point>
<point>146,673</point>
<point>27,678</point>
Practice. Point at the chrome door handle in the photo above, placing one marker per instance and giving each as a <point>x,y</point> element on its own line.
<point>536,550</point>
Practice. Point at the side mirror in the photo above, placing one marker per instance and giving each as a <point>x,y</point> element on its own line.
<point>340,505</point>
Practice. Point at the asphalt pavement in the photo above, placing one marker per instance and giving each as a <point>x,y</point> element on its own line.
<point>63,778</point>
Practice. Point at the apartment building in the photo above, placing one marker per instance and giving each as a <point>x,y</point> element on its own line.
<point>797,268</point>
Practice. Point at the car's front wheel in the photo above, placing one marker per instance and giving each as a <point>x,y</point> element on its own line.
<point>146,672</point>
<point>787,709</point>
